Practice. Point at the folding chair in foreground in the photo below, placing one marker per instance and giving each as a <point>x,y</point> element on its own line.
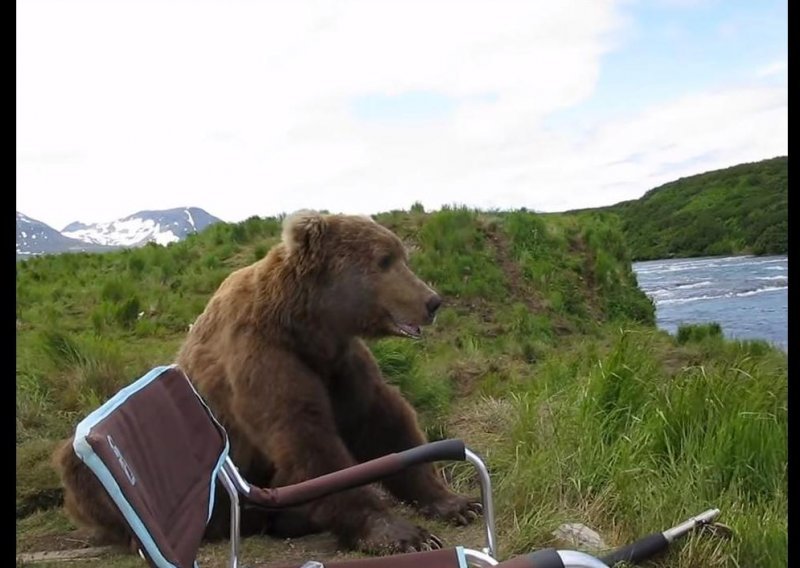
<point>157,450</point>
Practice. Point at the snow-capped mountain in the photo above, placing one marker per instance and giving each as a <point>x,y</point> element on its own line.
<point>35,237</point>
<point>162,227</point>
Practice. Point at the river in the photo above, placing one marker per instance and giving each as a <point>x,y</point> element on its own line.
<point>747,295</point>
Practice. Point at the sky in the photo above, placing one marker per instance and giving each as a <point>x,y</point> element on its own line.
<point>246,107</point>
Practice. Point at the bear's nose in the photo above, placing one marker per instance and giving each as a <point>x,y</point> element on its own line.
<point>433,304</point>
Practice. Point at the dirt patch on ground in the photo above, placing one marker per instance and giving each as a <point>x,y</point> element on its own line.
<point>256,551</point>
<point>56,541</point>
<point>577,244</point>
<point>519,288</point>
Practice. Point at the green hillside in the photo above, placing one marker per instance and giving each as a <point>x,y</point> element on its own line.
<point>544,359</point>
<point>738,210</point>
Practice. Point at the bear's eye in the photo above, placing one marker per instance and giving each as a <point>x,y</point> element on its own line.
<point>385,262</point>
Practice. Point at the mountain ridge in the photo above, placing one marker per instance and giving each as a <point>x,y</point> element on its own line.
<point>159,226</point>
<point>35,237</point>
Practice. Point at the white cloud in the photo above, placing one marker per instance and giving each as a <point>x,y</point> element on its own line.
<point>780,67</point>
<point>245,108</point>
<point>597,165</point>
<point>621,159</point>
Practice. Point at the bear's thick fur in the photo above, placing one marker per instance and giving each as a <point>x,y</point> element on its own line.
<point>278,355</point>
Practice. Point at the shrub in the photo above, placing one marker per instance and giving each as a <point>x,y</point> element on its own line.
<point>695,333</point>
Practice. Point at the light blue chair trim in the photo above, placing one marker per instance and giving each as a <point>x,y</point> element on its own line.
<point>85,452</point>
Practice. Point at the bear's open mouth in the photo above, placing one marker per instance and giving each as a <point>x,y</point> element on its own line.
<point>408,330</point>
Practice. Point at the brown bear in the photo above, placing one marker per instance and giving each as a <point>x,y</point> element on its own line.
<point>279,356</point>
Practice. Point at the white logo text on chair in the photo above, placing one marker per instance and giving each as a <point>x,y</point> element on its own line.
<point>122,463</point>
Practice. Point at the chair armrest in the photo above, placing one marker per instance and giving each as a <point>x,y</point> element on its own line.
<point>357,475</point>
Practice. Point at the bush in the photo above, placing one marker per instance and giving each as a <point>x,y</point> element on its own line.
<point>259,252</point>
<point>136,265</point>
<point>116,290</point>
<point>695,333</point>
<point>127,312</point>
<point>454,256</point>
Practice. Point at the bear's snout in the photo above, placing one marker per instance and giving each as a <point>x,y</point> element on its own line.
<point>433,304</point>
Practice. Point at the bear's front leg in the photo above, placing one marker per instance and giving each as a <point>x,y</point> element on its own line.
<point>290,420</point>
<point>376,420</point>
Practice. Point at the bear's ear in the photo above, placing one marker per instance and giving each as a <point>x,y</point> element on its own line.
<point>304,231</point>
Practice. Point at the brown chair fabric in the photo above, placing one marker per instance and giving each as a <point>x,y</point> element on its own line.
<point>162,448</point>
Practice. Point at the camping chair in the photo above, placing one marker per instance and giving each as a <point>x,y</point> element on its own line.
<point>157,449</point>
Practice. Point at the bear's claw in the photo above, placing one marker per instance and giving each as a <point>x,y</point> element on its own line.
<point>390,535</point>
<point>436,541</point>
<point>454,508</point>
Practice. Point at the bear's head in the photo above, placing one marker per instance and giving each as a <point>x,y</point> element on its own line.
<point>357,275</point>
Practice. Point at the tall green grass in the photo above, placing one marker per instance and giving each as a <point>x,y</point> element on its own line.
<point>581,264</point>
<point>619,442</point>
<point>699,332</point>
<point>455,258</point>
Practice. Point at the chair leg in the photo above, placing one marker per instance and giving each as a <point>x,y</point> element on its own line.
<point>486,501</point>
<point>235,530</point>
